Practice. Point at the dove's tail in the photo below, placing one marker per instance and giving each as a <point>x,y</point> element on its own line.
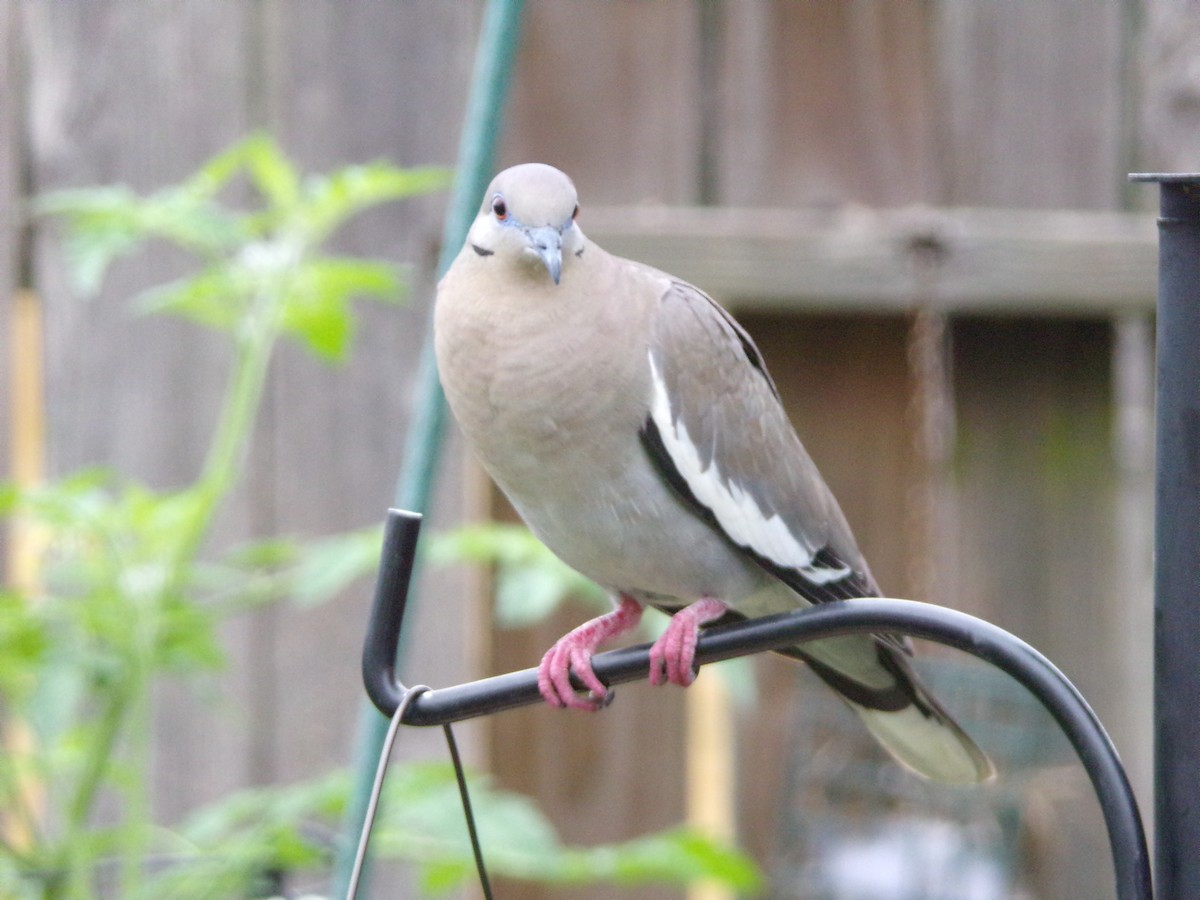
<point>902,715</point>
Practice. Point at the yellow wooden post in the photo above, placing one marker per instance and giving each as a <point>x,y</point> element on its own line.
<point>28,435</point>
<point>710,770</point>
<point>27,461</point>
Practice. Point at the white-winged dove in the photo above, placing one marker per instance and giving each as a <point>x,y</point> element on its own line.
<point>633,425</point>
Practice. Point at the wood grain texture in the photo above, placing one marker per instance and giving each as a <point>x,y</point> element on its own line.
<point>1032,103</point>
<point>1130,615</point>
<point>1034,535</point>
<point>978,260</point>
<point>1168,117</point>
<point>825,104</point>
<point>609,93</point>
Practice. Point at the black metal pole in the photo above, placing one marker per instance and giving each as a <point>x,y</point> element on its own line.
<point>396,560</point>
<point>1177,540</point>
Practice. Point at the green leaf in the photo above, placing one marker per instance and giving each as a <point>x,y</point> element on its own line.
<point>268,553</point>
<point>526,594</point>
<point>330,200</point>
<point>187,639</point>
<point>195,224</point>
<point>102,224</point>
<point>323,325</point>
<point>666,856</point>
<point>270,171</point>
<point>79,501</point>
<point>212,297</point>
<point>441,876</point>
<point>250,576</point>
<point>23,643</point>
<point>285,568</point>
<point>62,681</point>
<point>225,849</point>
<point>420,820</point>
<point>14,883</point>
<point>348,278</point>
<point>9,494</point>
<point>124,600</point>
<point>329,566</point>
<point>211,177</point>
<point>316,305</point>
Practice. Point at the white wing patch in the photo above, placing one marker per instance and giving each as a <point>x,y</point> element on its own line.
<point>736,511</point>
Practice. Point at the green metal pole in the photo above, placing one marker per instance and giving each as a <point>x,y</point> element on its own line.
<point>485,104</point>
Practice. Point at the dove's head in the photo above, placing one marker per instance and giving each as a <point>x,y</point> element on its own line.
<point>528,220</point>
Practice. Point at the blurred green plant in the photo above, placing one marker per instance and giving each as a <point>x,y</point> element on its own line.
<point>125,597</point>
<point>231,848</point>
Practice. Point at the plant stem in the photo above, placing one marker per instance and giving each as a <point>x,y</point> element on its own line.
<point>74,860</point>
<point>136,829</point>
<point>239,410</point>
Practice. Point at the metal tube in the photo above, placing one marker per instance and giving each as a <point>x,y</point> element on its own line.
<point>1177,539</point>
<point>396,565</point>
<point>1131,862</point>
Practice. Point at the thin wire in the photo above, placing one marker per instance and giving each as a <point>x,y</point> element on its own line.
<point>461,777</point>
<point>373,802</point>
<point>377,788</point>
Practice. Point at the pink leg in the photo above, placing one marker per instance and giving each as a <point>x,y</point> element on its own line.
<point>574,651</point>
<point>672,657</point>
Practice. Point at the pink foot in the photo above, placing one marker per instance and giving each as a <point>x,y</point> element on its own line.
<point>672,658</point>
<point>574,652</point>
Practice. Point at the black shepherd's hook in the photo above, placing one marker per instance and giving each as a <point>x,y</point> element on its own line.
<point>1127,839</point>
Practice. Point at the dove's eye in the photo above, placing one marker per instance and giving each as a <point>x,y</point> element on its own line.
<point>499,208</point>
<point>575,213</point>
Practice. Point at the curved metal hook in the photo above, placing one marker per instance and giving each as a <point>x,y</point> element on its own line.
<point>1127,839</point>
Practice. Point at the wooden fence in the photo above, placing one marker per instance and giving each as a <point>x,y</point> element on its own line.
<point>918,208</point>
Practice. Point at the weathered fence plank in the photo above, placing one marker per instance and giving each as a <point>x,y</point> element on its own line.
<point>1032,102</point>
<point>610,94</point>
<point>825,104</point>
<point>994,261</point>
<point>965,156</point>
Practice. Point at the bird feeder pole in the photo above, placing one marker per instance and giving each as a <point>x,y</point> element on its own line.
<point>1177,538</point>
